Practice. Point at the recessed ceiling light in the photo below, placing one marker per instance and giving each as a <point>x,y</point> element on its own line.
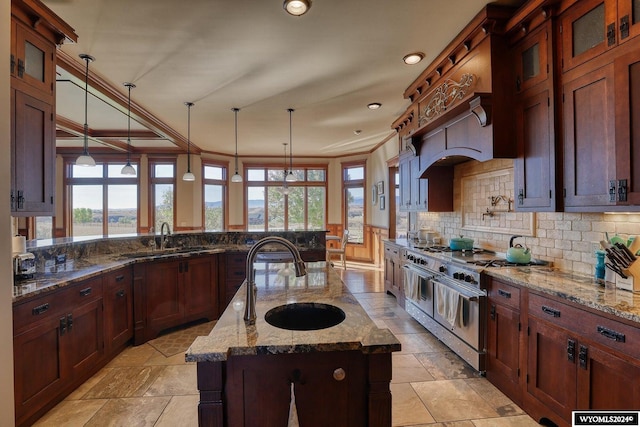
<point>297,7</point>
<point>374,105</point>
<point>413,58</point>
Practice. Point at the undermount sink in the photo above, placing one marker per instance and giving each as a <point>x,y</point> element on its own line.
<point>160,252</point>
<point>307,316</point>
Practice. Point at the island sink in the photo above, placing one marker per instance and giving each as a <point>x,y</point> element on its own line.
<point>304,316</point>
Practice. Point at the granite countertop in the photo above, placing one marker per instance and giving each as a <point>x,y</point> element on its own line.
<point>56,276</point>
<point>231,337</point>
<point>574,287</point>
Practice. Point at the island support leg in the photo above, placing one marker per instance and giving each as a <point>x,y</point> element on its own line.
<point>210,384</point>
<point>379,399</point>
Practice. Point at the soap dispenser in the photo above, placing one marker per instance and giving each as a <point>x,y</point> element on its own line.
<point>599,269</point>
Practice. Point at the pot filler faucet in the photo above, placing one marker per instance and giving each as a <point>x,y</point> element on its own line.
<point>250,304</point>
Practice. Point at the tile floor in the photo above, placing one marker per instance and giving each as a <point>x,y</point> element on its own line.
<point>431,386</point>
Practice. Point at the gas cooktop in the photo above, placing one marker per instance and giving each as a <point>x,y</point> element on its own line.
<point>477,256</point>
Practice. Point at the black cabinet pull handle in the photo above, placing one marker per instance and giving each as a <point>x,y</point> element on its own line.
<point>120,278</point>
<point>20,68</point>
<point>551,311</point>
<point>493,312</point>
<point>571,351</point>
<point>611,334</point>
<point>40,309</point>
<point>84,292</point>
<point>582,356</point>
<point>120,293</point>
<point>13,64</point>
<point>63,326</point>
<point>504,293</point>
<point>69,322</point>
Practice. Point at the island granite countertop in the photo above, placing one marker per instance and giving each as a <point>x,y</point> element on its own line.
<point>278,286</point>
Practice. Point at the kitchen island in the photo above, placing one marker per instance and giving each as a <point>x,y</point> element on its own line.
<point>340,374</point>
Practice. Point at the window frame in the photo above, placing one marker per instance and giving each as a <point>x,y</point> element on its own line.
<point>248,167</point>
<point>153,180</point>
<point>359,183</point>
<point>225,190</point>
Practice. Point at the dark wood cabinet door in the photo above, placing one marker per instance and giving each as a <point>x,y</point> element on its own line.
<point>534,168</point>
<point>415,195</point>
<point>164,291</point>
<point>588,29</point>
<point>33,155</point>
<point>503,349</point>
<point>200,287</point>
<point>605,381</point>
<point>35,62</point>
<point>321,400</point>
<point>38,369</point>
<point>118,309</point>
<point>83,343</point>
<point>405,183</point>
<point>551,367</point>
<point>531,58</point>
<point>589,140</point>
<point>627,105</point>
<point>628,19</point>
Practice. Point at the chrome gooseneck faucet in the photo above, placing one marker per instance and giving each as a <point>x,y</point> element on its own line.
<point>164,237</point>
<point>250,304</point>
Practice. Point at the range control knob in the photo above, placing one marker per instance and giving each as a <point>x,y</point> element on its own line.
<point>423,261</point>
<point>442,268</point>
<point>457,275</point>
<point>468,278</point>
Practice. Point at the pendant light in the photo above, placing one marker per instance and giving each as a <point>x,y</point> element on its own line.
<point>128,169</point>
<point>290,177</point>
<point>188,176</point>
<point>285,187</point>
<point>85,159</point>
<point>236,176</point>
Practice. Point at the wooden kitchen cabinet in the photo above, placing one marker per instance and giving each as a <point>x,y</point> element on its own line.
<point>504,338</point>
<point>118,309</point>
<point>233,272</point>
<point>35,32</point>
<point>317,389</point>
<point>393,273</point>
<point>172,293</point>
<point>58,342</point>
<point>432,193</point>
<point>592,27</point>
<point>579,360</point>
<point>536,181</point>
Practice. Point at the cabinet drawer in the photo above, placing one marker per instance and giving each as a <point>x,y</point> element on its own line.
<point>555,312</point>
<point>616,335</point>
<point>391,251</point>
<point>504,294</point>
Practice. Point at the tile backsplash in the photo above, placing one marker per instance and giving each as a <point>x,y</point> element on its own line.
<point>566,239</point>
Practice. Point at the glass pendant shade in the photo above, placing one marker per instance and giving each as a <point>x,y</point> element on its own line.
<point>128,169</point>
<point>236,176</point>
<point>188,176</point>
<point>85,158</point>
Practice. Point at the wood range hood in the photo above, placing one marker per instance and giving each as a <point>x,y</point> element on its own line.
<point>462,104</point>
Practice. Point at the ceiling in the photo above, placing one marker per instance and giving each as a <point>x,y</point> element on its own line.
<point>327,65</point>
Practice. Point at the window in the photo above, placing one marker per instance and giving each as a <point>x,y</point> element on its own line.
<point>274,204</point>
<point>163,182</point>
<point>102,200</point>
<point>43,226</point>
<point>215,189</point>
<point>354,197</point>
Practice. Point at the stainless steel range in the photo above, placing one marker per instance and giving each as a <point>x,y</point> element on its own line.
<point>446,295</point>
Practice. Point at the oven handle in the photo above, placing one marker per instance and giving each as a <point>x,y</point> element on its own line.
<point>418,271</point>
<point>467,294</point>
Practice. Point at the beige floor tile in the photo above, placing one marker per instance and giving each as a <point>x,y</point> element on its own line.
<point>494,397</point>
<point>71,413</point>
<point>125,382</point>
<point>133,356</point>
<point>175,380</point>
<point>406,408</point>
<point>406,369</point>
<point>453,400</point>
<point>84,388</point>
<point>446,365</point>
<point>130,412</point>
<point>419,343</point>
<point>159,359</point>
<point>181,411</point>
<point>515,421</point>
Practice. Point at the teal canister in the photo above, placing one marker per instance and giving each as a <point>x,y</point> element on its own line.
<point>599,269</point>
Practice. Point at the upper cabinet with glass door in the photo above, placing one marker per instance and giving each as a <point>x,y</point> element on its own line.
<point>532,60</point>
<point>32,60</point>
<point>591,27</point>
